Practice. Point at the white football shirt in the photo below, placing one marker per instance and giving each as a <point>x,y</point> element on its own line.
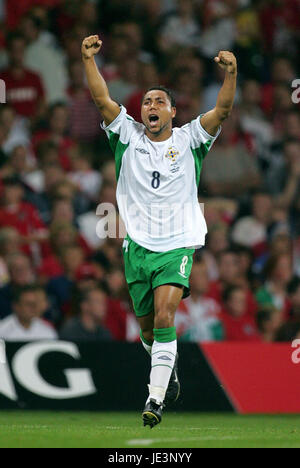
<point>158,183</point>
<point>12,330</point>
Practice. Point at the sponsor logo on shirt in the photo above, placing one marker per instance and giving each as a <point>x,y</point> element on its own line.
<point>142,150</point>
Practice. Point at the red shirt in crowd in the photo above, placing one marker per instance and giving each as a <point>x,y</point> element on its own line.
<point>51,266</point>
<point>25,219</point>
<point>84,116</point>
<point>116,318</point>
<point>216,290</point>
<point>239,328</point>
<point>23,93</point>
<point>286,12</point>
<point>133,105</point>
<point>64,145</point>
<point>15,10</point>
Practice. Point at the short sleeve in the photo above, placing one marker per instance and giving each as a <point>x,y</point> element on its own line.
<point>119,133</point>
<point>120,129</point>
<point>200,141</point>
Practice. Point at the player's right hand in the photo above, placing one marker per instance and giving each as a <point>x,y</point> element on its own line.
<point>90,46</point>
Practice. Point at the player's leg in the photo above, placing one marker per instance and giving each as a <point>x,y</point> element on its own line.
<point>169,274</point>
<point>146,324</point>
<point>164,350</point>
<point>140,290</point>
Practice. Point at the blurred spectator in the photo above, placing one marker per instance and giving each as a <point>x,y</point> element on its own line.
<point>45,309</point>
<point>24,88</point>
<point>19,164</point>
<point>278,272</point>
<point>23,216</point>
<point>82,174</point>
<point>248,44</point>
<point>181,28</point>
<point>217,241</point>
<point>62,235</point>
<point>10,241</point>
<point>230,169</point>
<point>282,73</point>
<point>293,290</point>
<point>198,316</point>
<point>289,332</point>
<point>253,120</point>
<point>84,115</point>
<point>21,274</point>
<point>57,133</point>
<point>121,88</point>
<point>88,326</point>
<point>93,224</point>
<point>15,11</point>
<point>231,274</point>
<point>16,131</point>
<point>132,34</point>
<point>25,323</point>
<point>252,231</point>
<point>238,325</point>
<point>269,321</point>
<point>220,27</point>
<point>60,286</point>
<point>279,24</point>
<point>44,59</point>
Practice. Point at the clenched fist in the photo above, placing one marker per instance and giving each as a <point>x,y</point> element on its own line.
<point>227,61</point>
<point>90,46</point>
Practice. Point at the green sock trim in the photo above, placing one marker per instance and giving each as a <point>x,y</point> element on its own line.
<point>162,365</point>
<point>144,339</point>
<point>165,335</point>
<point>164,351</point>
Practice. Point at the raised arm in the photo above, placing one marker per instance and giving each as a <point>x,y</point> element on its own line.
<point>212,120</point>
<point>108,108</point>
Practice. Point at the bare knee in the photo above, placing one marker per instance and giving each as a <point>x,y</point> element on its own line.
<point>164,316</point>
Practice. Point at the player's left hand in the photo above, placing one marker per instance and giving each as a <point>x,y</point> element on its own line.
<point>227,61</point>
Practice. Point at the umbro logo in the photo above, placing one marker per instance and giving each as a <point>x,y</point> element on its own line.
<point>181,274</point>
<point>164,358</point>
<point>141,150</point>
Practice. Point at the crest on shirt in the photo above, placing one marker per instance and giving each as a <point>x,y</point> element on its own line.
<point>172,153</point>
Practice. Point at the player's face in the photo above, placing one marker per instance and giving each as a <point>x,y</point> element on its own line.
<point>157,112</point>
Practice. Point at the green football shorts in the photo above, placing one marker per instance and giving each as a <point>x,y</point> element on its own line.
<point>146,270</point>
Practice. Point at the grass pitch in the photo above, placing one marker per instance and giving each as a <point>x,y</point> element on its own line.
<point>124,430</point>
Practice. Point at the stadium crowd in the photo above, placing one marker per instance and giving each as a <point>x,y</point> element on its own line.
<point>58,278</point>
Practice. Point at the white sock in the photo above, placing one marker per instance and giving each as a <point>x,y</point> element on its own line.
<point>163,359</point>
<point>147,347</point>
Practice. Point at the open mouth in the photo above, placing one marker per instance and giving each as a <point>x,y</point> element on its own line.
<point>153,119</point>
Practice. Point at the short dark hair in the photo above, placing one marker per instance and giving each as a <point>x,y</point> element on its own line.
<point>229,291</point>
<point>264,315</point>
<point>12,181</point>
<point>30,288</point>
<point>13,36</point>
<point>229,251</point>
<point>83,296</point>
<point>165,90</point>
